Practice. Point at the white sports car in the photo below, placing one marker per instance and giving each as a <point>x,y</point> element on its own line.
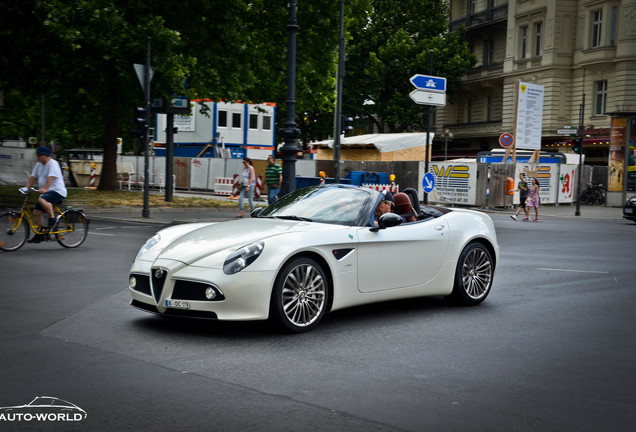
<point>315,250</point>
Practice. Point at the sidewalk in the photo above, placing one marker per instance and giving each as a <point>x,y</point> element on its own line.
<point>172,216</point>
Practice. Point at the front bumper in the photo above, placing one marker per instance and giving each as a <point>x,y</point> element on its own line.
<point>180,291</point>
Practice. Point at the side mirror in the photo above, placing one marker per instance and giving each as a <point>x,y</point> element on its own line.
<point>256,212</point>
<point>388,220</point>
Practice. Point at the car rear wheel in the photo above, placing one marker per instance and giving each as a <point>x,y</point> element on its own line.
<point>299,298</point>
<point>474,275</point>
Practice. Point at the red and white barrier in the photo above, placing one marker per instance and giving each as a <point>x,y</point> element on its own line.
<point>393,188</point>
<point>91,181</point>
<point>223,185</point>
<point>259,186</point>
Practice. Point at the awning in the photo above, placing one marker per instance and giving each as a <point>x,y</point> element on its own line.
<point>387,142</point>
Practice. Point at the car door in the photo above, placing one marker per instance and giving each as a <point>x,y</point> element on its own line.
<point>403,256</point>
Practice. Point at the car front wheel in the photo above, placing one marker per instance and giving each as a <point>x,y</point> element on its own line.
<point>474,275</point>
<point>300,294</point>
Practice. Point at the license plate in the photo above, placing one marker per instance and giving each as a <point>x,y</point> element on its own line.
<point>628,210</point>
<point>179,304</point>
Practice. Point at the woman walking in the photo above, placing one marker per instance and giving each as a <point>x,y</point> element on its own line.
<point>248,181</point>
<point>533,199</point>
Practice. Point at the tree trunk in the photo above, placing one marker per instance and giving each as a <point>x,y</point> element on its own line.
<point>108,177</point>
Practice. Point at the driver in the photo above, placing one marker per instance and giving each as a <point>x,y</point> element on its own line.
<point>385,206</point>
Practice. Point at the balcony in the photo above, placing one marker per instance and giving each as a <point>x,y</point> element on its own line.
<point>481,18</point>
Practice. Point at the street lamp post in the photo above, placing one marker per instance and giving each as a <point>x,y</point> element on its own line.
<point>290,132</point>
<point>448,135</point>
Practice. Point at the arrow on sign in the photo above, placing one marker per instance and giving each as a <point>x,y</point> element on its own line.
<point>428,82</point>
<point>426,97</point>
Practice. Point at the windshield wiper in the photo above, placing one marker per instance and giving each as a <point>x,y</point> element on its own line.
<point>294,217</point>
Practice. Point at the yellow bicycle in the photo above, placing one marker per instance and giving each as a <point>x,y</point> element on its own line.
<point>70,230</point>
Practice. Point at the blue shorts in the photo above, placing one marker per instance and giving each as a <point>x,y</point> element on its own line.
<point>50,196</point>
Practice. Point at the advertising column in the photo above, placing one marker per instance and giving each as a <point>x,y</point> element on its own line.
<point>616,174</point>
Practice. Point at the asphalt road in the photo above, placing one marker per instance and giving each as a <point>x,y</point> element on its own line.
<point>551,349</point>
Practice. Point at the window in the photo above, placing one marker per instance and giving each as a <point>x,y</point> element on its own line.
<point>600,97</point>
<point>472,5</point>
<point>267,122</point>
<point>222,118</point>
<point>489,49</point>
<point>538,27</point>
<point>524,43</point>
<point>597,19</point>
<point>236,120</point>
<point>613,28</point>
<point>253,121</point>
<point>489,108</point>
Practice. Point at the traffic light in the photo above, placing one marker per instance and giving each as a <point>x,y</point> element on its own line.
<point>577,145</point>
<point>139,121</point>
<point>346,124</point>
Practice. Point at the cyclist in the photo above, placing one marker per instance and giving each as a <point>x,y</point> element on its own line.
<point>51,188</point>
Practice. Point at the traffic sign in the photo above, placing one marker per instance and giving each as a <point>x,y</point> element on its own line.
<point>427,97</point>
<point>506,140</point>
<point>428,182</point>
<point>568,131</point>
<point>428,82</point>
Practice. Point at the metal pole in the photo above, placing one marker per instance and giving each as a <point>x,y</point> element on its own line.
<point>290,132</point>
<point>169,155</point>
<point>43,118</point>
<point>581,134</point>
<point>146,210</point>
<point>428,134</point>
<point>339,80</point>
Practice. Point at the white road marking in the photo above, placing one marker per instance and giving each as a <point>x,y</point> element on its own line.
<point>573,271</point>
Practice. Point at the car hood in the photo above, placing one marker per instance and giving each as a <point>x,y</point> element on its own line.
<point>209,239</point>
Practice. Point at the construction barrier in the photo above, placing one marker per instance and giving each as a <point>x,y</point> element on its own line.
<point>392,187</point>
<point>223,185</point>
<point>257,192</point>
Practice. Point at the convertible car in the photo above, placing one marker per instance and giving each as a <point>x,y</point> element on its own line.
<point>315,250</point>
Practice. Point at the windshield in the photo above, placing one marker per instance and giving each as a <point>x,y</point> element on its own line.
<point>333,204</point>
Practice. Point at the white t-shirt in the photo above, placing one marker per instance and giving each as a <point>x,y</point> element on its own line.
<point>51,169</point>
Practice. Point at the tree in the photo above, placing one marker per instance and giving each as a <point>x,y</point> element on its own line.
<point>80,56</point>
<point>389,47</point>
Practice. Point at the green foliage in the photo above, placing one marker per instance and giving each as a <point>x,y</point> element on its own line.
<point>394,45</point>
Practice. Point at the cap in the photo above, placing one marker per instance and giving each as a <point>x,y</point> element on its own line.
<point>387,196</point>
<point>43,151</point>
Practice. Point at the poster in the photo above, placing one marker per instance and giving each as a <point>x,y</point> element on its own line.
<point>529,116</point>
<point>617,154</point>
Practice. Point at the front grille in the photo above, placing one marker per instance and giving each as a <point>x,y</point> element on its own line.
<point>191,290</point>
<point>143,283</point>
<point>158,277</point>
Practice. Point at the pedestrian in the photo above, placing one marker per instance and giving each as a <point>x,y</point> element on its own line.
<point>48,174</point>
<point>248,182</point>
<point>273,179</point>
<point>522,187</point>
<point>533,199</point>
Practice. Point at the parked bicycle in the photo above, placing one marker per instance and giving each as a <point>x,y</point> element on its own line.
<point>69,231</point>
<point>594,194</point>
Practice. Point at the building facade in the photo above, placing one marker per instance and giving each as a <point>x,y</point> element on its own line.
<point>579,50</point>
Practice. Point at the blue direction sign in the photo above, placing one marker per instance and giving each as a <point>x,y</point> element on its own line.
<point>428,182</point>
<point>427,82</point>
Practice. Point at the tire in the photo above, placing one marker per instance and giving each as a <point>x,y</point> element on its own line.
<point>473,276</point>
<point>13,232</point>
<point>76,222</point>
<point>300,296</point>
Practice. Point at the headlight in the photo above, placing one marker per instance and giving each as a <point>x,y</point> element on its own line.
<point>148,245</point>
<point>241,258</point>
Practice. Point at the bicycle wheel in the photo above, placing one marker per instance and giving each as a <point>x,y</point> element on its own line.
<point>75,227</point>
<point>13,233</point>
